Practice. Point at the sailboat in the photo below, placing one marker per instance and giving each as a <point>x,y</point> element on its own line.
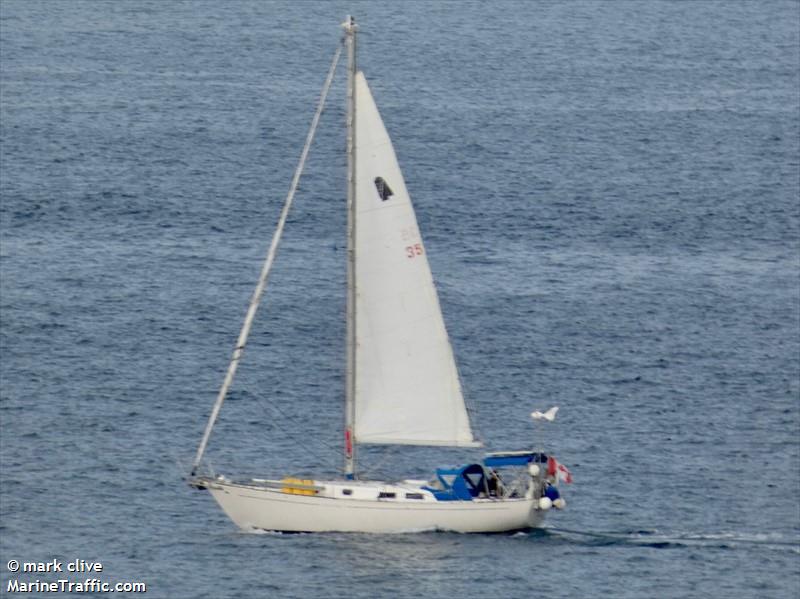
<point>402,384</point>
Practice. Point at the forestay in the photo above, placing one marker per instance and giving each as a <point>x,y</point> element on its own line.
<point>407,387</point>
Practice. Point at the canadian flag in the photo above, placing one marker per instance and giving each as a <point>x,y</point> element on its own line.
<point>558,471</point>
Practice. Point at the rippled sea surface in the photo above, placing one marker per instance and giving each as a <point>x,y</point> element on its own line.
<point>608,193</point>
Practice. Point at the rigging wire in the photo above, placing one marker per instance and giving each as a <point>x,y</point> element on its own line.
<point>388,453</point>
<point>300,440</point>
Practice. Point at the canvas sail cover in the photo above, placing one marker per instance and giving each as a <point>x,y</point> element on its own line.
<point>407,387</point>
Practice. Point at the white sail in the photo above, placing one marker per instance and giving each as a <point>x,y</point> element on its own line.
<point>407,387</point>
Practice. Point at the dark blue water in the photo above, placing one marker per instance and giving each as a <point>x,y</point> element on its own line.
<point>609,197</point>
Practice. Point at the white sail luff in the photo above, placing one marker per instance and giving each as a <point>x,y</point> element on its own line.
<point>407,386</point>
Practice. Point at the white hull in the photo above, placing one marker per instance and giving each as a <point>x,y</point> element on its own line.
<point>255,507</point>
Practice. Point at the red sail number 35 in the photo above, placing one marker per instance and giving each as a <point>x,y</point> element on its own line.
<point>414,250</point>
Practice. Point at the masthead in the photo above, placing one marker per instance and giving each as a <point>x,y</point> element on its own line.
<point>349,25</point>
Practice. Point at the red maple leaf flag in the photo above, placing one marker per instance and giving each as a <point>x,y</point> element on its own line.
<point>558,471</point>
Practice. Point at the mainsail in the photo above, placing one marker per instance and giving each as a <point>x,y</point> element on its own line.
<point>407,389</point>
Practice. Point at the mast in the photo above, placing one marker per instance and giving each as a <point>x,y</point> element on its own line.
<point>350,29</point>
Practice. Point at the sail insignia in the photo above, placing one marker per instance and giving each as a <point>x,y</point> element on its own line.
<point>384,191</point>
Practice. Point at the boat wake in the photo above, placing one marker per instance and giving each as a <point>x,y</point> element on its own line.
<point>659,540</point>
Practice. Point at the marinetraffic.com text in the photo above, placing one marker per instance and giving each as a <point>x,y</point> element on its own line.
<point>62,584</point>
